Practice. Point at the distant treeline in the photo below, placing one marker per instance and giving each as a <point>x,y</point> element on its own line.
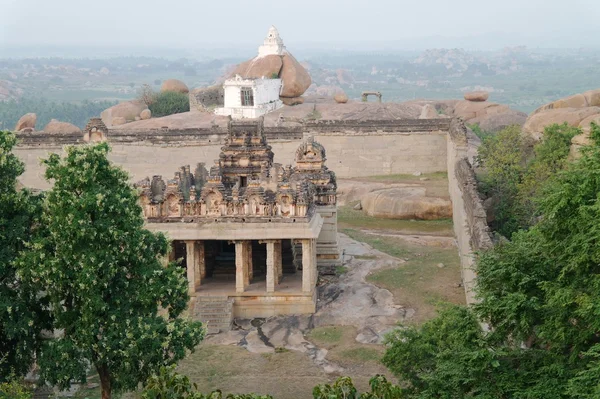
<point>75,113</point>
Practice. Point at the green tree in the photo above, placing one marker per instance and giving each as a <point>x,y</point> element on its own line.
<point>21,312</point>
<point>539,294</point>
<point>168,103</point>
<point>504,158</point>
<point>516,169</point>
<point>14,390</point>
<point>113,301</point>
<point>343,388</point>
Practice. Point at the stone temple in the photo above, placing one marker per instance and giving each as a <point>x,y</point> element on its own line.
<point>249,231</point>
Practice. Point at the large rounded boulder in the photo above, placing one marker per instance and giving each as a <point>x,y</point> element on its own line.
<point>127,110</point>
<point>477,96</point>
<point>406,203</point>
<point>55,126</point>
<point>535,124</point>
<point>27,121</point>
<point>295,78</point>
<point>174,85</point>
<point>268,66</point>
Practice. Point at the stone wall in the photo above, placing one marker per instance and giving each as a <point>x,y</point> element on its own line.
<point>470,225</point>
<point>353,148</point>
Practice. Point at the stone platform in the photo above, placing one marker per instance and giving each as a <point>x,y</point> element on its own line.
<point>287,298</point>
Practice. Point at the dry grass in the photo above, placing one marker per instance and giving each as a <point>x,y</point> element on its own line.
<point>285,375</point>
<point>361,361</point>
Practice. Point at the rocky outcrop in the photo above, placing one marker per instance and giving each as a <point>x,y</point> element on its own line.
<point>406,203</point>
<point>535,124</point>
<point>495,122</point>
<point>127,110</point>
<point>55,126</point>
<point>295,78</point>
<point>578,110</point>
<point>292,100</point>
<point>118,120</point>
<point>584,138</point>
<point>590,98</point>
<point>174,85</point>
<point>490,116</point>
<point>268,66</point>
<point>341,98</point>
<point>27,121</point>
<point>477,96</point>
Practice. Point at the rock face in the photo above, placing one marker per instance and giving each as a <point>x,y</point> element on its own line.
<point>406,203</point>
<point>174,85</point>
<point>490,116</point>
<point>496,122</point>
<point>537,121</point>
<point>55,126</point>
<point>590,98</point>
<point>295,78</point>
<point>577,110</point>
<point>267,66</point>
<point>118,120</point>
<point>145,114</point>
<point>477,96</point>
<point>292,100</point>
<point>27,121</point>
<point>341,98</point>
<point>127,109</point>
<point>584,138</point>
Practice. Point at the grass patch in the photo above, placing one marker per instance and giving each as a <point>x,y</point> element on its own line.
<point>351,218</point>
<point>326,335</point>
<point>362,354</point>
<point>339,270</point>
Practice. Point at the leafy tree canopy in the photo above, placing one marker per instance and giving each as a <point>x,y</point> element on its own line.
<point>103,275</point>
<point>515,169</point>
<point>539,297</point>
<point>169,103</point>
<point>21,315</point>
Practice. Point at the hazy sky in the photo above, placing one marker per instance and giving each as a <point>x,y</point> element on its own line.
<point>225,23</point>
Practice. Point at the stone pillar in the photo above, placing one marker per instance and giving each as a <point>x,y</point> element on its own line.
<point>249,257</point>
<point>191,265</point>
<point>200,263</point>
<point>243,265</point>
<point>273,263</point>
<point>308,265</point>
<point>278,262</point>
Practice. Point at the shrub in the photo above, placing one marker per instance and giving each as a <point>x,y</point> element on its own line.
<point>169,103</point>
<point>14,390</point>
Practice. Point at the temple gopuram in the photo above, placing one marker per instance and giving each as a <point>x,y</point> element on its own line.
<point>249,231</point>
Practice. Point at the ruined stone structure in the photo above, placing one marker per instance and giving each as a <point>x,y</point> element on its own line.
<point>365,95</point>
<point>354,149</point>
<point>250,229</point>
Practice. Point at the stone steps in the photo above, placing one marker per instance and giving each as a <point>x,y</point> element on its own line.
<point>216,312</point>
